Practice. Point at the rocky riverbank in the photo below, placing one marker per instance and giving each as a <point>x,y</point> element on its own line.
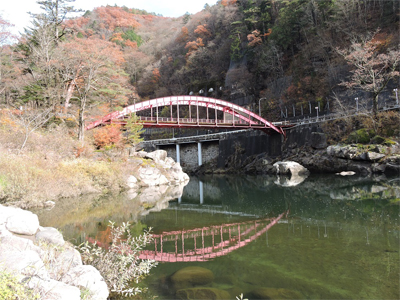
<point>52,268</point>
<point>360,159</point>
<point>42,261</point>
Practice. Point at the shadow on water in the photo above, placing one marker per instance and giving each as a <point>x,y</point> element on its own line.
<point>326,237</point>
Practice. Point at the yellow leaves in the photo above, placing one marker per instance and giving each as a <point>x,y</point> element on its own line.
<point>6,120</point>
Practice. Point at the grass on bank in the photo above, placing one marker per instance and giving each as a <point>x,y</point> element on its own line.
<point>54,165</point>
<point>11,288</point>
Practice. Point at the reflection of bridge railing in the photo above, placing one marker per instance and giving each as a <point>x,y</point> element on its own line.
<point>202,244</point>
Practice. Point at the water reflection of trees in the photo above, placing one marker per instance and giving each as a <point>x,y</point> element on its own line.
<point>318,197</point>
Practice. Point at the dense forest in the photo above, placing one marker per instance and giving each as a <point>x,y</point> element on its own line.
<point>287,53</point>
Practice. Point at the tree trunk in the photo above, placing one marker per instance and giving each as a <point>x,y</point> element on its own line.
<point>375,106</point>
<point>81,121</point>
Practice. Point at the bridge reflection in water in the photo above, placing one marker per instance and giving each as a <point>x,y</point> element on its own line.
<point>202,244</point>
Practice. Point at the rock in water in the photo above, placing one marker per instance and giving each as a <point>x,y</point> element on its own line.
<point>191,277</point>
<point>202,293</point>
<point>290,168</point>
<point>273,293</point>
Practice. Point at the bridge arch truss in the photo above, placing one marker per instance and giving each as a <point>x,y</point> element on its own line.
<point>240,117</point>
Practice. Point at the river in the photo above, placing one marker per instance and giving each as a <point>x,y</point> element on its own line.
<point>327,237</point>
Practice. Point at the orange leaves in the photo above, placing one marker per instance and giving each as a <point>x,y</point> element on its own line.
<point>255,38</point>
<point>202,30</point>
<point>108,136</point>
<point>228,2</point>
<point>156,75</point>
<point>114,17</point>
<point>117,36</point>
<point>193,46</point>
<point>184,35</point>
<point>92,52</point>
<point>131,44</point>
<point>79,25</point>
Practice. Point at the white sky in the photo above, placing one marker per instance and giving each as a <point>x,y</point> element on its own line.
<point>15,11</point>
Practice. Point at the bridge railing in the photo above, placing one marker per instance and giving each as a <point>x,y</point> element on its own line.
<point>191,120</point>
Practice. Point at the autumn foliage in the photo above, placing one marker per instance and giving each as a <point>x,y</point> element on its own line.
<point>228,2</point>
<point>108,136</point>
<point>113,17</point>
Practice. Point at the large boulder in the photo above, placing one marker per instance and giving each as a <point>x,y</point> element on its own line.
<point>19,221</point>
<point>177,175</point>
<point>157,156</point>
<point>27,263</point>
<point>88,277</point>
<point>191,277</point>
<point>151,176</point>
<point>17,244</point>
<point>54,290</point>
<point>50,235</point>
<point>290,168</point>
<point>318,140</point>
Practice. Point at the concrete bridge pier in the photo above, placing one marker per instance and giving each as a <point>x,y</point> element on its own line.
<point>178,153</point>
<point>200,159</point>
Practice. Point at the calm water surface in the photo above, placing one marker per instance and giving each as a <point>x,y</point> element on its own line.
<point>329,237</point>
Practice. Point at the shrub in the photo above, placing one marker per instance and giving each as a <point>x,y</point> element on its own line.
<point>108,136</point>
<point>361,136</point>
<point>11,288</point>
<point>119,264</point>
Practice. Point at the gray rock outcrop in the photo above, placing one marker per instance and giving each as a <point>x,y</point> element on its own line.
<point>52,268</point>
<point>156,169</point>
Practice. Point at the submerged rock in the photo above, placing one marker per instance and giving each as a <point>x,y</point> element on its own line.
<point>202,293</point>
<point>191,277</point>
<point>273,293</point>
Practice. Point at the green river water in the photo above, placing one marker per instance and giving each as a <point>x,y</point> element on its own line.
<point>338,237</point>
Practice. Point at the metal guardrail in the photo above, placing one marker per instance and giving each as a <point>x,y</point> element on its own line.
<point>334,116</point>
<point>289,124</point>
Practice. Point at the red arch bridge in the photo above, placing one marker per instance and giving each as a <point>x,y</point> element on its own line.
<point>233,116</point>
<point>202,244</point>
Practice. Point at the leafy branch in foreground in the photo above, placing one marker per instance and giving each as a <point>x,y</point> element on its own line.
<point>120,264</point>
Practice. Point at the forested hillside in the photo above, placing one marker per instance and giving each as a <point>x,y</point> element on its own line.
<point>290,53</point>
